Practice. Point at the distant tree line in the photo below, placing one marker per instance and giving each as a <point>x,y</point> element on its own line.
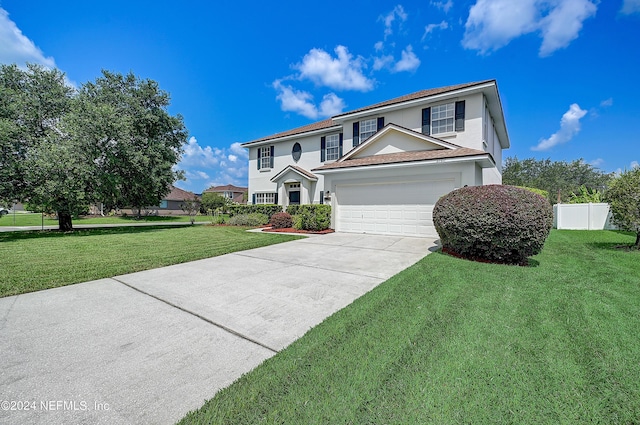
<point>561,179</point>
<point>62,149</point>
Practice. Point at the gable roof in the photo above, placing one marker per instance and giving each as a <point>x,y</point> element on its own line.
<point>391,127</point>
<point>225,188</point>
<point>298,170</point>
<point>401,157</point>
<point>178,194</point>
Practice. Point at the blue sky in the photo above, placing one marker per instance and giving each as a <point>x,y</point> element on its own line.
<point>566,69</point>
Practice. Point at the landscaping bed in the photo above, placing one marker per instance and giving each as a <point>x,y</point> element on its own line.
<point>293,230</point>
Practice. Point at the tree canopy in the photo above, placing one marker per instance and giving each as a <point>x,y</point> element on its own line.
<point>623,196</point>
<point>111,141</point>
<point>554,176</point>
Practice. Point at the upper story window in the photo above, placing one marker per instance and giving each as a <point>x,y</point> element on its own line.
<point>368,128</point>
<point>445,118</point>
<point>364,129</point>
<point>265,157</point>
<point>330,147</point>
<point>442,118</point>
<point>333,147</point>
<point>296,152</point>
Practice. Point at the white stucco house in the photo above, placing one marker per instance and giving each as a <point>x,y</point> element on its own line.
<point>383,167</point>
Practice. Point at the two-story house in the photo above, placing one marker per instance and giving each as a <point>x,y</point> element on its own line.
<point>384,166</point>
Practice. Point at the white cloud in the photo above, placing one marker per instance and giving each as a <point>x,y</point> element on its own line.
<point>207,166</point>
<point>597,162</point>
<point>492,24</point>
<point>382,62</point>
<point>301,102</point>
<point>432,27</point>
<point>343,72</point>
<point>379,46</point>
<point>630,6</point>
<point>569,127</point>
<point>16,48</point>
<point>389,18</point>
<point>445,6</point>
<point>408,62</point>
<point>634,164</point>
<point>606,103</point>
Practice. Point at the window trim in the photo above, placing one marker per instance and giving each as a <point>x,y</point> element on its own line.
<point>332,153</point>
<point>263,196</point>
<point>265,157</point>
<point>374,122</point>
<point>449,121</point>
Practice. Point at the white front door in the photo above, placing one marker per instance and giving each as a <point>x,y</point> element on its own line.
<point>390,208</point>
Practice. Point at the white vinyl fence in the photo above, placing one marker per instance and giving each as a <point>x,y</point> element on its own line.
<point>582,217</point>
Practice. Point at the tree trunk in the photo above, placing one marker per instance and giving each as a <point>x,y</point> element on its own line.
<point>64,221</point>
<point>637,246</point>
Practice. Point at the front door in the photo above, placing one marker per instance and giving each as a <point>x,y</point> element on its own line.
<point>294,197</point>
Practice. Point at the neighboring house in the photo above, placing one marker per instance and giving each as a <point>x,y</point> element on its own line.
<point>384,166</point>
<point>235,193</point>
<point>171,204</point>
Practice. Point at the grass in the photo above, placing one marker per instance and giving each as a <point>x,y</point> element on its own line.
<point>37,260</point>
<point>35,219</point>
<point>450,341</point>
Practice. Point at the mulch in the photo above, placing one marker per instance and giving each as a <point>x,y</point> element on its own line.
<point>292,230</point>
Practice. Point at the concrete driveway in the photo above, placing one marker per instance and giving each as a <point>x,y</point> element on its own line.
<point>148,347</point>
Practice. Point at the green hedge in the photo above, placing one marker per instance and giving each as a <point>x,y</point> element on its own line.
<point>267,209</point>
<point>253,219</point>
<point>502,224</point>
<point>312,217</point>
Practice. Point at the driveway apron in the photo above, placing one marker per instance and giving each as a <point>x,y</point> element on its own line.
<point>148,347</point>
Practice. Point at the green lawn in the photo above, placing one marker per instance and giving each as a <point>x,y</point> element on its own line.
<point>450,341</point>
<point>35,219</point>
<point>36,260</point>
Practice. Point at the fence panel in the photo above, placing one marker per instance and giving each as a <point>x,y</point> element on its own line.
<point>582,217</point>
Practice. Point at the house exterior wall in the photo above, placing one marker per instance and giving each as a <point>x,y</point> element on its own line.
<point>463,174</point>
<point>479,133</point>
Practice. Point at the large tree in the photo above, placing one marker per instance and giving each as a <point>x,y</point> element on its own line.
<point>623,195</point>
<point>113,141</point>
<point>33,102</point>
<point>124,122</point>
<point>556,177</point>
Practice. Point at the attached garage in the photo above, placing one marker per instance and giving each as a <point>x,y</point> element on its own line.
<point>389,208</point>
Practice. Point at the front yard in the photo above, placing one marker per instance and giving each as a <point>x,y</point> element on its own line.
<point>31,261</point>
<point>450,341</point>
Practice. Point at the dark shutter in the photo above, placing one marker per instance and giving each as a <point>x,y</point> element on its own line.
<point>356,134</point>
<point>271,159</point>
<point>322,197</point>
<point>460,116</point>
<point>323,147</point>
<point>275,199</point>
<point>253,199</point>
<point>380,123</point>
<point>426,121</point>
<point>340,151</point>
<point>259,157</point>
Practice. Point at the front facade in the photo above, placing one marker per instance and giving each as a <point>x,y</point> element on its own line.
<point>383,167</point>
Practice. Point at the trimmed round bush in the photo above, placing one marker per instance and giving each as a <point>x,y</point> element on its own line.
<point>494,223</point>
<point>281,220</point>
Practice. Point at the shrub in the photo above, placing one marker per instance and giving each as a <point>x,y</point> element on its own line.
<point>313,217</point>
<point>267,209</point>
<point>253,219</point>
<point>281,220</point>
<point>496,223</point>
<point>293,209</point>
